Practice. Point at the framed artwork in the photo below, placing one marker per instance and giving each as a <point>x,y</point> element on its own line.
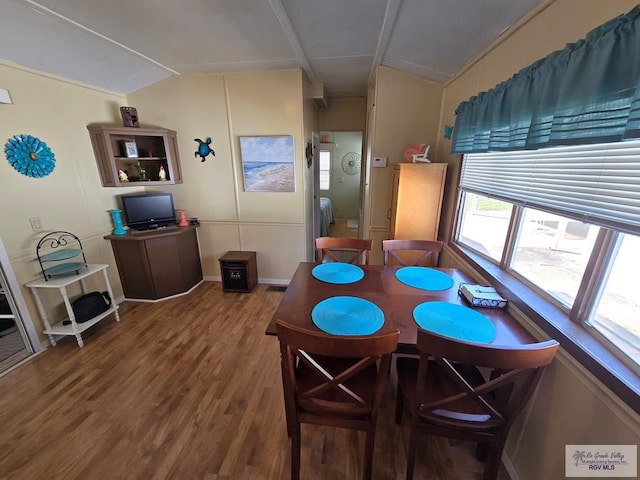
<point>267,163</point>
<point>130,149</point>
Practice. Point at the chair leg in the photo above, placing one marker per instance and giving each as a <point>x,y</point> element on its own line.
<point>494,458</point>
<point>368,453</point>
<point>482,450</point>
<point>411,451</point>
<point>399,405</point>
<point>295,451</point>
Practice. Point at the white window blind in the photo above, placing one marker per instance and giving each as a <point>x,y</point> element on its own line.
<point>325,169</point>
<point>598,184</point>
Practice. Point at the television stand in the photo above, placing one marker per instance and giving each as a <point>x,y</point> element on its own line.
<point>156,264</point>
<point>151,230</point>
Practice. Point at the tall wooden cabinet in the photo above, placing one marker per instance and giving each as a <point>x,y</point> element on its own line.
<point>416,200</point>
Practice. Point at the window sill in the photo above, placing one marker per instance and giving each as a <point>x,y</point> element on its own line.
<point>596,357</point>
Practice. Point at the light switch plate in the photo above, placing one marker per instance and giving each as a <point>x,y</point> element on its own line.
<point>379,162</point>
<point>36,224</point>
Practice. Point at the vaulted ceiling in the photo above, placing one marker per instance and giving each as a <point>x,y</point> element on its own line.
<point>125,45</point>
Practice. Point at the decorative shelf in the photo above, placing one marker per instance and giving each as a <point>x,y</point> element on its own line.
<point>61,255</point>
<point>64,269</point>
<point>154,149</point>
<point>57,247</point>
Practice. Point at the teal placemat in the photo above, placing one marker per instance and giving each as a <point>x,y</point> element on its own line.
<point>347,316</point>
<point>424,278</point>
<point>455,321</point>
<point>338,272</point>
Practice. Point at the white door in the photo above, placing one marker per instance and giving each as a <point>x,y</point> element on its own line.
<point>18,338</point>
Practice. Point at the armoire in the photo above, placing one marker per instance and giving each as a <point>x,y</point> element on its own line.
<point>416,200</point>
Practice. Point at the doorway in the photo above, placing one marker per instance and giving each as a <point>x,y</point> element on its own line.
<point>340,166</point>
<point>17,335</point>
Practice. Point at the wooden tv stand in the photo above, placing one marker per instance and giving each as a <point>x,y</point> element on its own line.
<point>157,264</point>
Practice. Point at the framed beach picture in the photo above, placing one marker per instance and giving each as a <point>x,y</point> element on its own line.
<point>267,163</point>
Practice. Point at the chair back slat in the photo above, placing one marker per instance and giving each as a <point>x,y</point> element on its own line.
<point>497,399</point>
<point>348,250</point>
<point>424,253</point>
<point>337,367</point>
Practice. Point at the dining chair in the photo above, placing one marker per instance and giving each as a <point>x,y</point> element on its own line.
<point>424,253</point>
<point>447,395</point>
<point>343,249</point>
<point>331,380</point>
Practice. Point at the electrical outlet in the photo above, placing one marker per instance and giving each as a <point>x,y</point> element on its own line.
<point>36,224</point>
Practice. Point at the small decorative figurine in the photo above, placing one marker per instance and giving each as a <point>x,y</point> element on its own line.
<point>308,153</point>
<point>162,175</point>
<point>142,172</point>
<point>204,149</point>
<point>123,176</point>
<point>117,222</point>
<point>183,218</point>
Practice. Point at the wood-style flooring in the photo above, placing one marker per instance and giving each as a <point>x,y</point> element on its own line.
<point>188,388</point>
<point>340,228</point>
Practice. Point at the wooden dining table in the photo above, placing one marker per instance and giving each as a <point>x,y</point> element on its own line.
<point>396,300</point>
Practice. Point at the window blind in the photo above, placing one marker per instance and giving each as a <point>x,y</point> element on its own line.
<point>598,184</point>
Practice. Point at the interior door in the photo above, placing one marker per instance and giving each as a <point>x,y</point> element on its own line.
<point>315,148</point>
<point>18,338</point>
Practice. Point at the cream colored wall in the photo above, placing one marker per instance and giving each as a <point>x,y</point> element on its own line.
<point>344,115</point>
<point>225,107</point>
<point>405,111</point>
<point>571,406</point>
<point>71,198</point>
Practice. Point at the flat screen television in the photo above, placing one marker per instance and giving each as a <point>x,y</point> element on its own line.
<point>146,211</point>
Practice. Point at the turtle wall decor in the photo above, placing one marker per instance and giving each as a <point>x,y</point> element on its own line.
<point>204,149</point>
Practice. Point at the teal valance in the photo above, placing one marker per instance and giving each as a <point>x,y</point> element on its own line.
<point>588,92</point>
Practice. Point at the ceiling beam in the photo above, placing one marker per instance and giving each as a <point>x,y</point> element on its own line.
<point>292,36</point>
<point>390,16</point>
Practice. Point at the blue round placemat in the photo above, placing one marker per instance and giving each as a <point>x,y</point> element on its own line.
<point>424,278</point>
<point>347,316</point>
<point>338,272</point>
<point>456,321</point>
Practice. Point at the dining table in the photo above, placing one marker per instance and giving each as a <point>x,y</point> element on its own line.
<point>396,299</point>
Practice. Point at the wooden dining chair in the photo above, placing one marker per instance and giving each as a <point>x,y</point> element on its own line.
<point>349,250</point>
<point>423,253</point>
<point>447,396</point>
<point>332,380</point>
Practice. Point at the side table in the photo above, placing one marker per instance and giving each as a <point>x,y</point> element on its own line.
<point>61,283</point>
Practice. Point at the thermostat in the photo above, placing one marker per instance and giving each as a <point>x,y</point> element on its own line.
<point>379,162</point>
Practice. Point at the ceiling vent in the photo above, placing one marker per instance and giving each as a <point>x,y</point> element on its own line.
<point>315,92</point>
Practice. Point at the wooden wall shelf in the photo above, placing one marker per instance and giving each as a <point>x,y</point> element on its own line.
<point>153,148</point>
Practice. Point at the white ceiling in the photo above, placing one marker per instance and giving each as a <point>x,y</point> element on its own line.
<point>125,45</point>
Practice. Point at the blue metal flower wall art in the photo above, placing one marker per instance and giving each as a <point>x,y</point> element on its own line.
<point>203,149</point>
<point>30,156</point>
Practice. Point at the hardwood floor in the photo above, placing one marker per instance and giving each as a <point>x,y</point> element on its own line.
<point>188,388</point>
<point>341,228</point>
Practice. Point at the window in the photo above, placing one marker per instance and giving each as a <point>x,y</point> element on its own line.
<point>617,315</point>
<point>565,223</point>
<point>552,252</point>
<point>325,169</point>
<point>484,225</point>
